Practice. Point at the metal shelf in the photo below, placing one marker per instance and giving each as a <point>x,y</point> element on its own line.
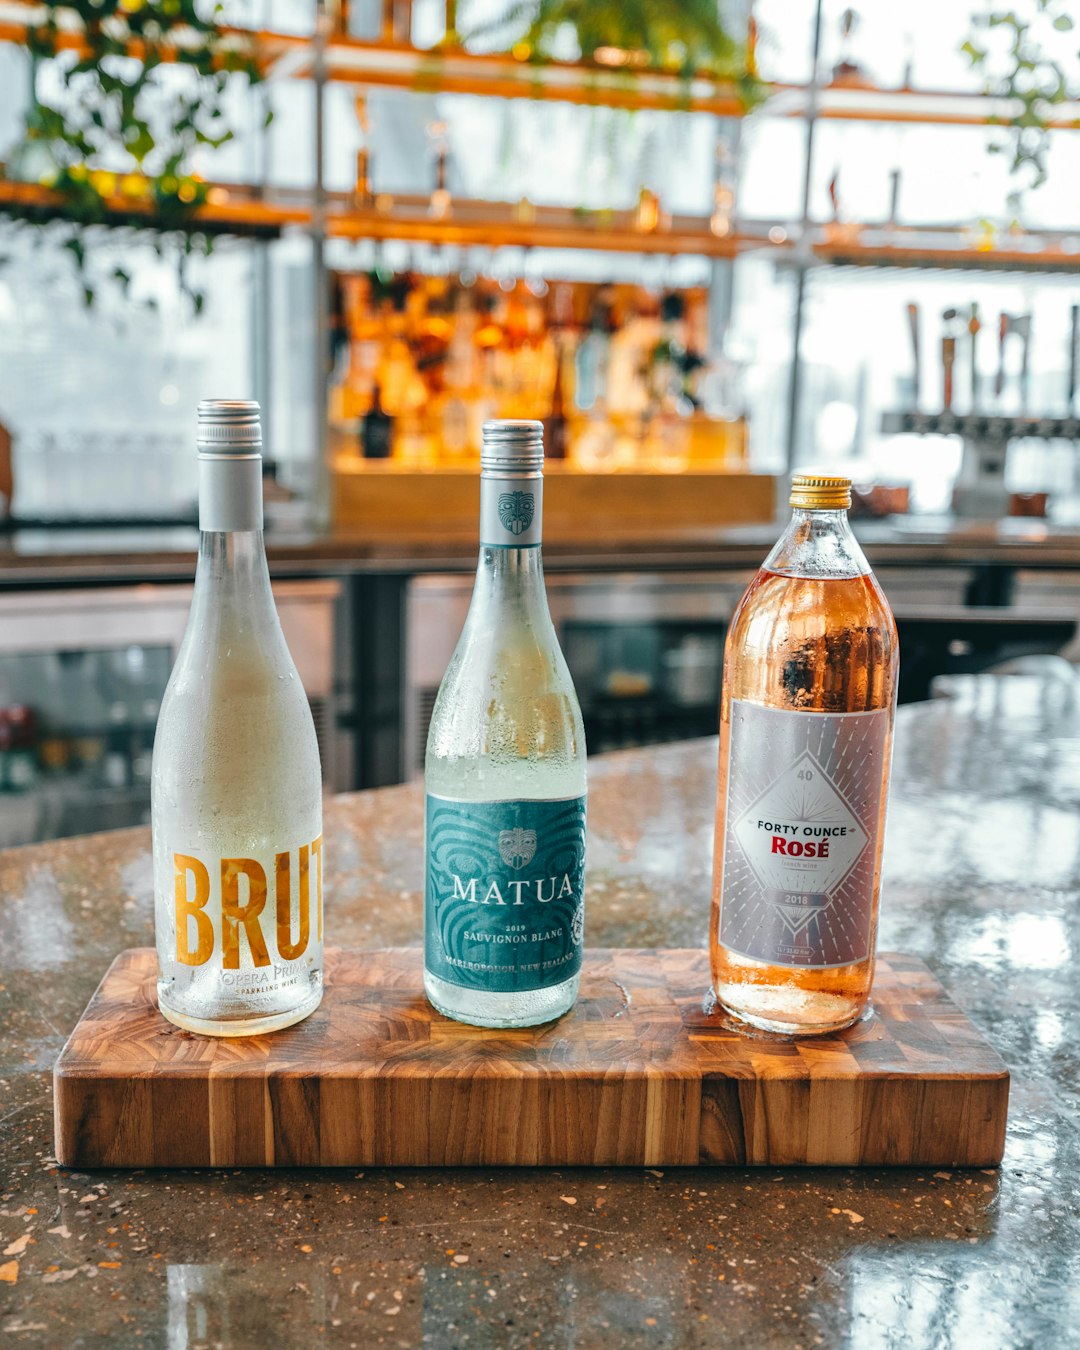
<point>619,83</point>
<point>234,210</point>
<point>851,101</point>
<point>501,225</point>
<point>226,213</point>
<point>944,250</point>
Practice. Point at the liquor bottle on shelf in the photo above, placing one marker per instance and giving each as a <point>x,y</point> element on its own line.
<point>454,426</point>
<point>647,215</point>
<point>669,430</point>
<point>667,359</point>
<point>595,449</point>
<point>847,69</point>
<point>363,196</point>
<point>440,203</point>
<point>377,429</point>
<point>237,789</point>
<point>590,376</point>
<point>455,367</point>
<point>806,718</point>
<point>402,386</point>
<point>556,426</point>
<point>505,775</point>
<point>397,21</point>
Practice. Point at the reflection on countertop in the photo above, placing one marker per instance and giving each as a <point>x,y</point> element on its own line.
<point>982,880</point>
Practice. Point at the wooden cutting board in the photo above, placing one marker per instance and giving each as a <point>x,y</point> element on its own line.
<point>638,1073</point>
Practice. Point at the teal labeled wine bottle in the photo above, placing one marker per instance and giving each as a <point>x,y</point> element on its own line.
<point>505,775</point>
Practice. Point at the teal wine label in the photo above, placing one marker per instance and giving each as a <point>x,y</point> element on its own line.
<point>504,900</point>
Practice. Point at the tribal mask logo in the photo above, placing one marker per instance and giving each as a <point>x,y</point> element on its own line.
<point>516,511</point>
<point>517,847</point>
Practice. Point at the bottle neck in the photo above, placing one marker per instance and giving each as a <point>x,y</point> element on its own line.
<point>511,512</point>
<point>818,544</point>
<point>233,563</point>
<point>509,588</point>
<point>230,493</point>
<point>232,586</point>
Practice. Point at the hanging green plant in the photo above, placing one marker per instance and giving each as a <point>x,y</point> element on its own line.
<point>1018,52</point>
<point>120,102</point>
<point>679,37</point>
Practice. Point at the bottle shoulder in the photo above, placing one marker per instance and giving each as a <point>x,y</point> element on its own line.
<point>813,602</point>
<point>814,644</point>
<point>501,721</point>
<point>818,545</point>
<point>236,691</point>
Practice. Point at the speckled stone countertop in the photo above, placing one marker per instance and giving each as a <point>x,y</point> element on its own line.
<point>982,880</point>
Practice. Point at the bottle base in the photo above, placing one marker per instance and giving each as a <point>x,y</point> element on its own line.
<point>817,1014</point>
<point>241,1026</point>
<point>480,1008</point>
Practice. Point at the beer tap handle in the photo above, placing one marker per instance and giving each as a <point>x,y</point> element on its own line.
<point>999,378</point>
<point>948,356</point>
<point>913,327</point>
<point>1023,327</point>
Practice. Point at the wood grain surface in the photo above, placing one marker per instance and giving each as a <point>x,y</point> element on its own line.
<point>382,502</point>
<point>639,1073</point>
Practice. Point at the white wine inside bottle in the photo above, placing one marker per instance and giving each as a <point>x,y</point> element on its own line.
<point>237,786</point>
<point>505,775</point>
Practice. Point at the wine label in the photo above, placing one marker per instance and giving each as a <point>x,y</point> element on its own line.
<point>504,897</point>
<point>804,795</point>
<point>253,916</point>
<point>510,511</point>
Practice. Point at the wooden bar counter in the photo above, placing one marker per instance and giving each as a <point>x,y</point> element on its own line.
<point>982,878</point>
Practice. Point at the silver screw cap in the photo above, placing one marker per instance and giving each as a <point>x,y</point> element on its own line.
<point>229,426</point>
<point>512,446</point>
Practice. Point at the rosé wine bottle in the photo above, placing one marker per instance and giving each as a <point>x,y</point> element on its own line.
<point>806,719</point>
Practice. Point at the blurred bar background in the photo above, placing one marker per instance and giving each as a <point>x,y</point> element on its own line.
<point>754,239</point>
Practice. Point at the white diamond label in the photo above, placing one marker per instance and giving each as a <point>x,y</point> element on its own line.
<point>804,793</point>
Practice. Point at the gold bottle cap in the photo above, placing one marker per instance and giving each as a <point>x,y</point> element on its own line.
<point>821,492</point>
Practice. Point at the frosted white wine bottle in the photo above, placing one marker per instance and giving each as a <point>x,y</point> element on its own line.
<point>505,775</point>
<point>237,787</point>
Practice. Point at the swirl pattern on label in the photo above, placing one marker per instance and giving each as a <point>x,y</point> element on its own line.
<point>504,894</point>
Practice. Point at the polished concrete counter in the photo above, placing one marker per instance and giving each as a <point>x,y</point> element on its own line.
<point>982,880</point>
